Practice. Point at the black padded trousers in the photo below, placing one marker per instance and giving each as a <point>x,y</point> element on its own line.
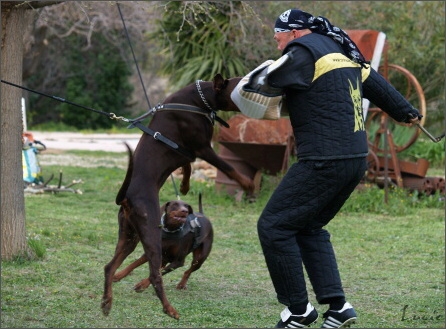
<point>291,230</point>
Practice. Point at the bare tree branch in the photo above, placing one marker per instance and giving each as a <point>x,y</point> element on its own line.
<point>91,19</point>
<point>28,4</point>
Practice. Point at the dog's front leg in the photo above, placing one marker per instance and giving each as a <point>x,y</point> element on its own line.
<point>199,256</point>
<point>209,155</point>
<point>185,182</point>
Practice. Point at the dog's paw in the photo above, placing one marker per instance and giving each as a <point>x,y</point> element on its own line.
<point>181,286</point>
<point>239,196</point>
<point>170,311</point>
<point>251,198</point>
<point>141,285</point>
<point>243,196</point>
<point>184,188</point>
<point>106,306</point>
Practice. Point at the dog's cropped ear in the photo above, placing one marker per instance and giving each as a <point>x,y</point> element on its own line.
<point>164,207</point>
<point>220,83</point>
<point>191,211</point>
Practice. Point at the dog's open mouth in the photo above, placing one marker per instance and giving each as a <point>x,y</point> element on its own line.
<point>180,220</point>
<point>176,220</point>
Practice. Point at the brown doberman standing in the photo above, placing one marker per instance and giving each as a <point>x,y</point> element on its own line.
<point>184,232</point>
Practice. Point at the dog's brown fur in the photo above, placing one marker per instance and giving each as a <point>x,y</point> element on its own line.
<point>174,249</point>
<point>150,166</point>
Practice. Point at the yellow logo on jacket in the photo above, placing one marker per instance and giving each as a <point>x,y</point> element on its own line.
<point>357,106</point>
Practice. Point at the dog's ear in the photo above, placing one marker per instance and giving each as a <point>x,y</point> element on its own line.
<point>220,83</point>
<point>191,211</point>
<point>164,207</point>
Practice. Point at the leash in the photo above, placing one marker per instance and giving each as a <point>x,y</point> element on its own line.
<point>133,53</point>
<point>155,134</point>
<point>60,99</point>
<point>136,122</point>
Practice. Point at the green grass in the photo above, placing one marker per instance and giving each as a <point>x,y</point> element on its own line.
<point>391,258</point>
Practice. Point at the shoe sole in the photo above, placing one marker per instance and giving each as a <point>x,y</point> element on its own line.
<point>309,325</point>
<point>304,326</point>
<point>346,324</point>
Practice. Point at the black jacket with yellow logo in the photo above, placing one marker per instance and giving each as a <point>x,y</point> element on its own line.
<point>324,91</point>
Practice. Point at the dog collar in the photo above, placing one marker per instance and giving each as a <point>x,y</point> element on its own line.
<point>166,230</point>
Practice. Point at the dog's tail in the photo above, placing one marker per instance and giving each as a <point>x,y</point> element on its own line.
<point>123,190</point>
<point>200,206</point>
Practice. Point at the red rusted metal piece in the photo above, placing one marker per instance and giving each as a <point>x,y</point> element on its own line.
<point>365,40</point>
<point>254,131</point>
<point>254,147</point>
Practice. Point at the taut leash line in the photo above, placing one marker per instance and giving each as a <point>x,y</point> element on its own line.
<point>155,134</point>
<point>60,99</point>
<point>133,53</point>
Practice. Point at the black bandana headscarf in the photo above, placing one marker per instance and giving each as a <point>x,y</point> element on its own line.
<point>295,19</point>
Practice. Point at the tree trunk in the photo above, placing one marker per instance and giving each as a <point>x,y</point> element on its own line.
<point>12,206</point>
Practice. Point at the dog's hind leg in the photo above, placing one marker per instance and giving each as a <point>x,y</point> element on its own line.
<point>149,230</point>
<point>127,242</point>
<point>153,252</point>
<point>122,274</point>
<point>145,283</point>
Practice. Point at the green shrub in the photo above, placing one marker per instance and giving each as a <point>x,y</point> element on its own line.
<point>394,202</point>
<point>424,148</point>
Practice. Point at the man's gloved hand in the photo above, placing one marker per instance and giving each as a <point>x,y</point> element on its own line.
<point>258,83</point>
<point>413,116</point>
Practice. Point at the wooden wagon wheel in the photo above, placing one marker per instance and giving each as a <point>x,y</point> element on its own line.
<point>403,136</point>
<point>373,169</point>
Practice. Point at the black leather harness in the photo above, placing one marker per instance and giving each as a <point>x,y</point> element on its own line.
<point>211,115</point>
<point>192,224</point>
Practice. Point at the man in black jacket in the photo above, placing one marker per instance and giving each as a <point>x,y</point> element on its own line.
<point>324,80</point>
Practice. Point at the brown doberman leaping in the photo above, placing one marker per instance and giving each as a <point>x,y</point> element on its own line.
<point>152,163</point>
